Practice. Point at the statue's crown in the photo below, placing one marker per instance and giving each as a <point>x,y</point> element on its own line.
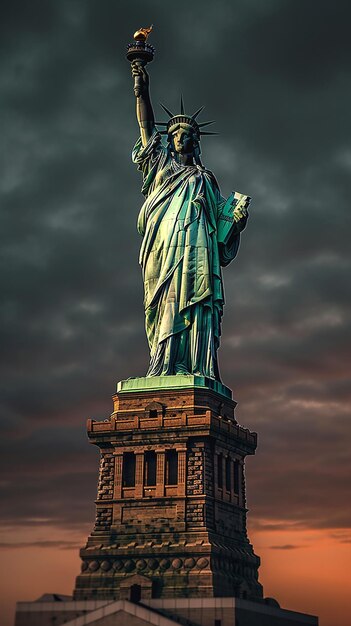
<point>182,118</point>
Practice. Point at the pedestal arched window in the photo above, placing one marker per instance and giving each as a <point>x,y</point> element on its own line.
<point>220,470</point>
<point>150,469</point>
<point>228,482</point>
<point>171,467</point>
<point>128,472</point>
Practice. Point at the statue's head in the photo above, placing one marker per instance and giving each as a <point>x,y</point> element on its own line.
<point>183,132</point>
<point>183,138</point>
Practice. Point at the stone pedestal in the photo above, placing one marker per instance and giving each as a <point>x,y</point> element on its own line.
<point>170,510</point>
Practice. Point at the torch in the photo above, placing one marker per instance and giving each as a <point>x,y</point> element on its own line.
<point>141,52</point>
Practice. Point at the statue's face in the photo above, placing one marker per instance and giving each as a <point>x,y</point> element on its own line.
<point>183,141</point>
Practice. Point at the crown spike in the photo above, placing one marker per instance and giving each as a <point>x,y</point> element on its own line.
<point>166,110</point>
<point>206,123</point>
<point>208,133</point>
<point>194,116</point>
<point>181,105</point>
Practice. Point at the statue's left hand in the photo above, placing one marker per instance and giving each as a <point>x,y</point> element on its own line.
<point>240,214</point>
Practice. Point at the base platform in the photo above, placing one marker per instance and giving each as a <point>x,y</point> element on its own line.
<point>172,383</point>
<point>169,545</point>
<point>168,612</point>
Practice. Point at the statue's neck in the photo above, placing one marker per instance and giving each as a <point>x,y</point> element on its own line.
<point>184,159</point>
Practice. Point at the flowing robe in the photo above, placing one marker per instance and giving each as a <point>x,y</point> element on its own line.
<point>181,262</point>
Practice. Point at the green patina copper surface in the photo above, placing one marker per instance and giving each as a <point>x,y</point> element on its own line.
<point>150,383</point>
<point>181,260</point>
<point>189,232</point>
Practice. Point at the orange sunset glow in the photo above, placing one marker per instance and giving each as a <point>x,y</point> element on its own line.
<point>305,570</point>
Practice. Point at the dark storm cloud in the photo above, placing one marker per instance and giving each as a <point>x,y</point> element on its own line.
<point>309,456</point>
<point>54,478</point>
<point>274,75</point>
<point>60,545</point>
<point>287,546</point>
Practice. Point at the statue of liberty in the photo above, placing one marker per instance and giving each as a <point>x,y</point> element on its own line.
<point>189,231</point>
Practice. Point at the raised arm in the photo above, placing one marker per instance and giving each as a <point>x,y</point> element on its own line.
<point>144,110</point>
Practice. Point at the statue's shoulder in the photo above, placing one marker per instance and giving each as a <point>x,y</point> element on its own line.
<point>210,177</point>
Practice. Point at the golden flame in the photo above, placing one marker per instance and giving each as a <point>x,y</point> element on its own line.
<point>142,34</point>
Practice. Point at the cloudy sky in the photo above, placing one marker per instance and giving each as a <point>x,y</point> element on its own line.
<point>276,77</point>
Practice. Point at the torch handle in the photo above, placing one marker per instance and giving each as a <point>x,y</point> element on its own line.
<point>138,81</point>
